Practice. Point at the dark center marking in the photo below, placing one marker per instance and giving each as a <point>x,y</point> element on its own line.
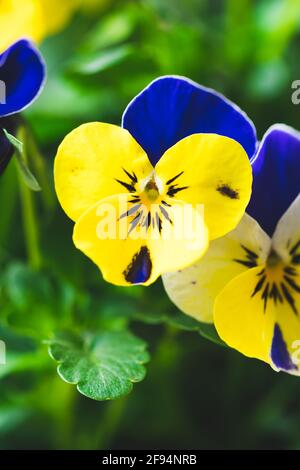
<point>284,289</point>
<point>142,216</point>
<point>151,190</point>
<point>273,259</point>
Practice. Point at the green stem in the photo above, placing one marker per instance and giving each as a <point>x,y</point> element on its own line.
<point>110,422</point>
<point>9,194</point>
<point>31,230</point>
<point>40,169</point>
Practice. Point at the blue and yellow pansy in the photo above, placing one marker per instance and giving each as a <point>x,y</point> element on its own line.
<point>248,282</point>
<point>180,145</point>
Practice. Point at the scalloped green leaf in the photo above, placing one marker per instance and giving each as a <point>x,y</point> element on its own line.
<point>104,365</point>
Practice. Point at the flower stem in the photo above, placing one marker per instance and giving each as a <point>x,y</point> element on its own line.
<point>31,230</point>
<point>40,170</point>
<point>110,422</point>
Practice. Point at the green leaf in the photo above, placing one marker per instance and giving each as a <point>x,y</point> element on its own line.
<point>103,366</point>
<point>110,30</point>
<point>35,303</point>
<point>98,62</point>
<point>208,331</point>
<point>27,176</point>
<point>184,322</point>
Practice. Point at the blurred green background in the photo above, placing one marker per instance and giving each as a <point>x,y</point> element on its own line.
<point>196,394</point>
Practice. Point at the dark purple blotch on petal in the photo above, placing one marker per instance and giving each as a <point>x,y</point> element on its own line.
<point>140,268</point>
<point>279,352</point>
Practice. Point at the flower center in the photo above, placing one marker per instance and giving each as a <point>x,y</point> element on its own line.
<point>151,190</point>
<point>274,267</point>
<point>148,207</point>
<point>273,259</point>
<point>277,280</point>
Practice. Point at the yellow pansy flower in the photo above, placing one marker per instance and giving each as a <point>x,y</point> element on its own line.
<point>139,213</point>
<point>248,282</point>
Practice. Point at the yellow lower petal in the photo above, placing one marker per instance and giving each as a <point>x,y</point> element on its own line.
<point>266,327</point>
<point>183,238</point>
<point>101,235</point>
<point>195,288</point>
<point>240,318</point>
<point>129,253</point>
<point>285,350</point>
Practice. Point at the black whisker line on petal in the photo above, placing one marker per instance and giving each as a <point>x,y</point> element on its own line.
<point>288,296</point>
<point>265,295</point>
<point>174,190</point>
<point>296,259</point>
<point>275,294</point>
<point>165,203</point>
<point>135,199</point>
<point>171,180</point>
<point>258,286</point>
<point>165,214</point>
<point>247,263</point>
<point>132,176</point>
<point>158,222</point>
<point>251,258</point>
<point>135,221</point>
<point>130,188</point>
<point>290,271</point>
<point>130,211</point>
<point>292,283</point>
<point>294,248</point>
<point>293,252</point>
<point>249,252</point>
<point>147,221</point>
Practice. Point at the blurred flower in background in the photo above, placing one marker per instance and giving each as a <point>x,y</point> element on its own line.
<point>38,19</point>
<point>23,74</point>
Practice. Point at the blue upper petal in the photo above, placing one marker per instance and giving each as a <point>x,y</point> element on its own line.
<point>22,75</point>
<point>276,176</point>
<point>172,108</point>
